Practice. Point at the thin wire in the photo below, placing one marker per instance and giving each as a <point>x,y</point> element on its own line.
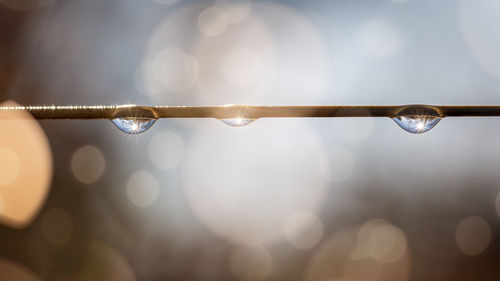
<point>247,111</point>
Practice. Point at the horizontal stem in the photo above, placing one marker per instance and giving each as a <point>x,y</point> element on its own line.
<point>246,111</point>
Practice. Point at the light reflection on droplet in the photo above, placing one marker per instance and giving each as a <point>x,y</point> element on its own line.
<point>133,125</point>
<point>251,263</point>
<point>57,226</point>
<point>303,229</point>
<point>142,189</point>
<point>417,124</point>
<point>88,164</point>
<point>237,122</point>
<point>473,235</point>
<point>10,171</point>
<point>213,21</point>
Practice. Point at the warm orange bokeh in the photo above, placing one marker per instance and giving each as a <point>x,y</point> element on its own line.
<point>25,168</point>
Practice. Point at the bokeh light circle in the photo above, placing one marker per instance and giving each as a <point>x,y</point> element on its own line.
<point>243,55</point>
<point>166,150</point>
<point>303,229</point>
<point>251,263</point>
<point>10,271</point>
<point>142,189</point>
<point>242,67</point>
<point>244,185</point>
<point>102,262</point>
<point>344,256</point>
<point>57,226</point>
<point>9,173</point>
<point>87,164</point>
<point>213,21</point>
<point>473,235</point>
<point>171,70</point>
<point>237,10</point>
<point>379,240</point>
<point>26,165</point>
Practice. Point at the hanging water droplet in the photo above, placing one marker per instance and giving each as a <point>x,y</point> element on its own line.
<point>417,119</point>
<point>237,122</point>
<point>134,125</point>
<point>417,124</point>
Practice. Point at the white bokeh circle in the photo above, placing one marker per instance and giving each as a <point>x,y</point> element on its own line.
<point>244,183</point>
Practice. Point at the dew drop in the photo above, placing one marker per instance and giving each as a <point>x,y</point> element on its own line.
<point>133,125</point>
<point>237,122</point>
<point>417,124</point>
<point>417,119</point>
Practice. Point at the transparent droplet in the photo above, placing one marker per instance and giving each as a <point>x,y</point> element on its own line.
<point>417,124</point>
<point>417,119</point>
<point>134,125</point>
<point>237,122</point>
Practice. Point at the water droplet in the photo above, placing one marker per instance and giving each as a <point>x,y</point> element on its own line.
<point>134,125</point>
<point>417,124</point>
<point>237,122</point>
<point>417,119</point>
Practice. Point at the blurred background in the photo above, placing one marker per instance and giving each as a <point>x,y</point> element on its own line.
<point>347,199</point>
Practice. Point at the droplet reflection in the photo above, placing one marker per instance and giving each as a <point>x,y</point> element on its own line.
<point>417,124</point>
<point>134,125</point>
<point>237,122</point>
<point>417,119</point>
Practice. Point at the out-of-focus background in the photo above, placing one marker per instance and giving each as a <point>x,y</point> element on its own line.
<point>348,199</point>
